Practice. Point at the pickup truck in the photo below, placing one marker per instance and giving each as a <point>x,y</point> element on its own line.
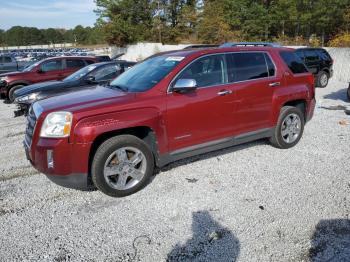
<point>8,64</point>
<point>170,106</point>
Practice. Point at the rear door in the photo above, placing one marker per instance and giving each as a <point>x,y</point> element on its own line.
<point>72,65</point>
<point>206,113</point>
<point>253,78</point>
<point>49,70</point>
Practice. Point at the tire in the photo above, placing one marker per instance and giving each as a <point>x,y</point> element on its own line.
<point>348,93</point>
<point>280,141</point>
<point>110,172</point>
<point>12,91</point>
<point>322,79</point>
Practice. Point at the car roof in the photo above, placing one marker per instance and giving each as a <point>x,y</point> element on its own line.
<point>67,57</point>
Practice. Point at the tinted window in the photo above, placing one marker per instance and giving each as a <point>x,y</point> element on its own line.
<point>146,74</point>
<point>75,63</point>
<point>106,72</point>
<point>80,73</point>
<point>51,65</point>
<point>293,62</point>
<point>311,55</point>
<point>300,54</point>
<point>323,54</point>
<point>247,66</point>
<point>270,65</point>
<point>207,71</point>
<point>89,62</point>
<point>7,59</point>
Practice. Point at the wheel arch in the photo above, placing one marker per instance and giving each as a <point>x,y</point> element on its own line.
<point>144,133</point>
<point>299,103</point>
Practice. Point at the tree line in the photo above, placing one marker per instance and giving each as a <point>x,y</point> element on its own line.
<point>216,21</point>
<point>22,36</point>
<point>123,22</point>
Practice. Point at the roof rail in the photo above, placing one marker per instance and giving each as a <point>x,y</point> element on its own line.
<point>232,44</point>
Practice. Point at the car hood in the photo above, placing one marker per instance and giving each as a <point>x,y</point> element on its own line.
<point>43,86</point>
<point>81,100</point>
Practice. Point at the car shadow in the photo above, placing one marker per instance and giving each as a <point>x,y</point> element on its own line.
<point>339,95</point>
<point>210,242</point>
<point>331,241</point>
<point>212,154</point>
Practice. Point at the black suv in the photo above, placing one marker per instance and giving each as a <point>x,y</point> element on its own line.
<point>319,62</point>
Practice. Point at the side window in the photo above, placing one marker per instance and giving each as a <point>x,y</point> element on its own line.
<point>293,62</point>
<point>106,72</point>
<point>89,62</point>
<point>7,59</point>
<point>51,65</point>
<point>75,63</point>
<point>270,65</point>
<point>207,71</point>
<point>311,55</point>
<point>247,66</point>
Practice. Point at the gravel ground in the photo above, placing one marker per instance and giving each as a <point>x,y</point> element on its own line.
<point>248,203</point>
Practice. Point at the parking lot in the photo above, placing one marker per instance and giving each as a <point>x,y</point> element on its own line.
<point>247,203</point>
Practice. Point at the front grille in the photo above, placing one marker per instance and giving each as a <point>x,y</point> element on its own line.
<point>31,121</point>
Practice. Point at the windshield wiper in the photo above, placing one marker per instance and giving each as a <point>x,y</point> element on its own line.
<point>124,89</point>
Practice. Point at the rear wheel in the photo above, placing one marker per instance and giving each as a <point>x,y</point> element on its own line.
<point>122,166</point>
<point>322,79</point>
<point>289,129</point>
<point>11,95</point>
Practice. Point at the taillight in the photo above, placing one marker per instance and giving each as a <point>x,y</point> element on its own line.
<point>311,82</point>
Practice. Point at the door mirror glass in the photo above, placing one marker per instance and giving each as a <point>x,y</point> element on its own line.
<point>90,79</point>
<point>185,85</point>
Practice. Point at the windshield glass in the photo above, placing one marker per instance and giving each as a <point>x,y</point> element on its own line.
<point>80,73</point>
<point>29,68</point>
<point>147,74</point>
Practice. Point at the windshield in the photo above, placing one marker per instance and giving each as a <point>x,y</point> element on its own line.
<point>29,68</point>
<point>80,73</point>
<point>147,74</point>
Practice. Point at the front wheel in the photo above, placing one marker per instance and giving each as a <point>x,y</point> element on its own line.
<point>122,166</point>
<point>289,129</point>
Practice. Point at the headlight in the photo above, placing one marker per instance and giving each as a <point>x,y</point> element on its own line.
<point>3,78</point>
<point>27,98</point>
<point>57,124</point>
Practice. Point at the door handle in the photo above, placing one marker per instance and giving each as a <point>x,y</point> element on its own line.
<point>224,92</point>
<point>275,84</point>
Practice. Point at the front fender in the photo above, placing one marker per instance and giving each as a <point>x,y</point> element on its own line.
<point>88,129</point>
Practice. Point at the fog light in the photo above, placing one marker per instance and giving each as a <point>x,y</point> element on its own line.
<point>49,159</point>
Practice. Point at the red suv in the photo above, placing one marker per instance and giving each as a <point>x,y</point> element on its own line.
<point>168,107</point>
<point>55,68</point>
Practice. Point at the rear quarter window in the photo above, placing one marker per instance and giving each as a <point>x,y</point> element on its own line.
<point>293,62</point>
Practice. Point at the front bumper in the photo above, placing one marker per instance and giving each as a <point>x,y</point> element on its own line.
<point>63,163</point>
<point>3,90</point>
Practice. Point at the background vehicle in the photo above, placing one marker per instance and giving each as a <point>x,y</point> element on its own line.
<point>319,62</point>
<point>8,64</point>
<point>98,73</point>
<point>49,69</point>
<point>168,107</point>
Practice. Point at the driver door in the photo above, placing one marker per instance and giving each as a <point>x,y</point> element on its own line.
<point>205,114</point>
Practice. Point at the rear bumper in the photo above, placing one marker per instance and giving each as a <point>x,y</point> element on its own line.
<point>310,110</point>
<point>63,163</point>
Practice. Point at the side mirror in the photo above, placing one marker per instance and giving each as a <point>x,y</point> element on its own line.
<point>90,79</point>
<point>184,85</point>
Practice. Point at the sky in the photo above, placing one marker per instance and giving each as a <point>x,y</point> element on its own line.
<point>47,13</point>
